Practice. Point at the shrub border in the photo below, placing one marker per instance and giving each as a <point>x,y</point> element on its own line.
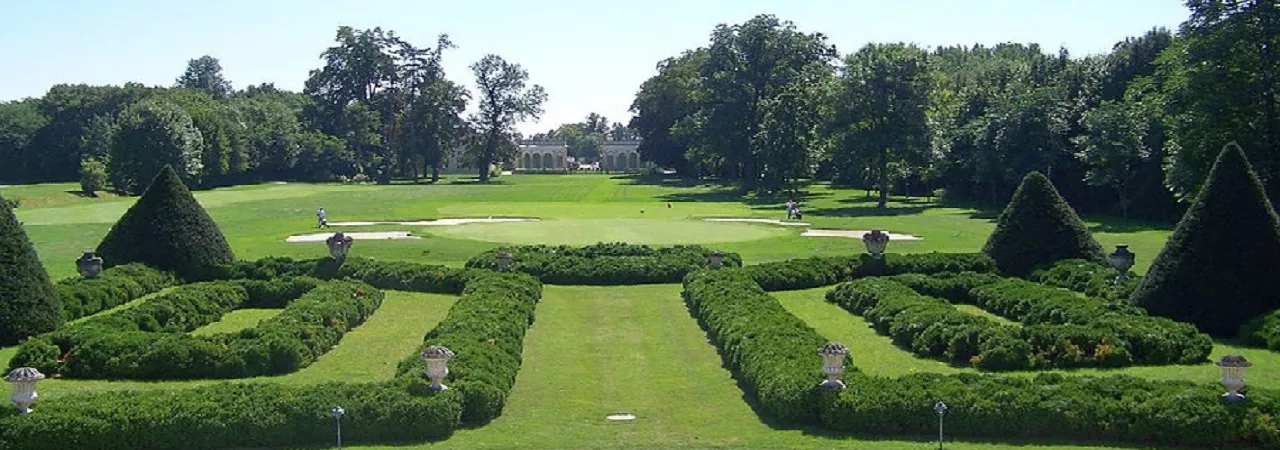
<point>604,264</point>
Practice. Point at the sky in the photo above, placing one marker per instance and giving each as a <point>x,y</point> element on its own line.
<point>590,56</point>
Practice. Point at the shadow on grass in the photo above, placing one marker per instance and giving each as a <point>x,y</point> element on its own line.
<point>1108,225</point>
<point>496,181</point>
<point>865,211</point>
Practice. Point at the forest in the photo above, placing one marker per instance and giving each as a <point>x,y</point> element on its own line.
<point>762,105</point>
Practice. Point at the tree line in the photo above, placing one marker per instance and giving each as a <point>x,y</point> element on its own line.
<point>1131,132</point>
<point>376,108</point>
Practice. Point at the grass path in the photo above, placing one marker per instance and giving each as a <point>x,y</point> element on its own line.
<point>875,354</point>
<point>600,350</point>
<point>369,352</point>
<point>237,320</point>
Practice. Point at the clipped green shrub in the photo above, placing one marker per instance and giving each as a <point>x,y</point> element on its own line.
<point>818,271</point>
<point>113,287</point>
<point>397,275</point>
<point>485,329</point>
<point>772,353</point>
<point>167,229</point>
<point>605,263</point>
<point>1091,278</point>
<point>1038,227</point>
<point>28,303</point>
<point>1218,268</point>
<point>235,415</point>
<point>1263,331</point>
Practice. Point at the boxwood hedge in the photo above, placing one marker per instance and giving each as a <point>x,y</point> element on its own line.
<point>818,271</point>
<point>1091,278</point>
<point>1112,408</point>
<point>115,286</point>
<point>605,264</point>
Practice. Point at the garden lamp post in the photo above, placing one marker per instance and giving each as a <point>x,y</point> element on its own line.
<point>1121,260</point>
<point>876,242</point>
<point>437,358</point>
<point>339,244</point>
<point>941,409</point>
<point>504,261</point>
<point>1233,367</point>
<point>24,381</point>
<point>337,413</point>
<point>717,260</point>
<point>833,355</point>
<point>89,264</point>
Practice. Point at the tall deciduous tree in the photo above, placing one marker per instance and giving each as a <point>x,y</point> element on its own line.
<point>505,99</point>
<point>151,135</point>
<point>880,116</point>
<point>664,100</point>
<point>1113,147</point>
<point>205,74</point>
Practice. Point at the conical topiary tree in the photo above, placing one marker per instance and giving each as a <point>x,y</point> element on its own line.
<point>1221,265</point>
<point>167,229</point>
<point>28,303</point>
<point>1038,227</point>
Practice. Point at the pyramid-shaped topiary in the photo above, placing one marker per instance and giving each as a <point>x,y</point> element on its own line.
<point>28,303</point>
<point>1221,266</point>
<point>167,229</point>
<point>1038,227</point>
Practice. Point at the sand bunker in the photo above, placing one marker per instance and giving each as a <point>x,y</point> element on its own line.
<point>369,236</point>
<point>768,221</point>
<point>819,232</point>
<point>437,222</point>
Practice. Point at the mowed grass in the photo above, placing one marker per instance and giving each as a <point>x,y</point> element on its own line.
<point>596,351</point>
<point>369,352</point>
<point>235,321</point>
<point>876,354</point>
<point>577,209</point>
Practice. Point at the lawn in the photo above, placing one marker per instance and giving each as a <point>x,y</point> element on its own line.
<point>592,351</point>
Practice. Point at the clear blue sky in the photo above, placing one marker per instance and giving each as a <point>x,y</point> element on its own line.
<point>589,55</point>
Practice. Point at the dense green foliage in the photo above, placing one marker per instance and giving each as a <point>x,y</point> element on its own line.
<point>1263,331</point>
<point>485,329</point>
<point>1114,408</point>
<point>401,276</point>
<point>245,415</point>
<point>1059,328</point>
<point>1091,278</point>
<point>1218,268</point>
<point>167,229</point>
<point>28,303</point>
<point>1038,227</point>
<point>113,287</point>
<point>805,273</point>
<point>772,353</point>
<point>605,264</point>
<point>149,341</point>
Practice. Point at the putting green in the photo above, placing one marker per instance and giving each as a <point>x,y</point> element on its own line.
<point>590,231</point>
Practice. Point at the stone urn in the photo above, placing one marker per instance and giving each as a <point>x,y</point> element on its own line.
<point>717,260</point>
<point>89,264</point>
<point>876,241</point>
<point>339,244</point>
<point>1233,367</point>
<point>833,356</point>
<point>1121,260</point>
<point>504,261</point>
<point>437,358</point>
<point>24,381</point>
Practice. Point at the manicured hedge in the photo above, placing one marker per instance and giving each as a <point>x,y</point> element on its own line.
<point>605,264</point>
<point>1091,278</point>
<point>235,415</point>
<point>485,329</point>
<point>772,353</point>
<point>392,275</point>
<point>28,302</point>
<point>1054,406</point>
<point>113,287</point>
<point>149,341</point>
<point>1069,329</point>
<point>1263,331</point>
<point>818,271</point>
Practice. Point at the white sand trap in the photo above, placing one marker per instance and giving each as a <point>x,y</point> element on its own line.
<point>367,236</point>
<point>437,222</point>
<point>820,232</point>
<point>768,221</point>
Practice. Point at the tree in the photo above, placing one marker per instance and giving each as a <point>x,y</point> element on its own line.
<point>205,74</point>
<point>1113,147</point>
<point>93,176</point>
<point>505,100</point>
<point>151,135</point>
<point>881,113</point>
<point>167,229</point>
<point>28,303</point>
<point>664,100</point>
<point>1038,227</point>
<point>19,123</point>
<point>1218,268</point>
